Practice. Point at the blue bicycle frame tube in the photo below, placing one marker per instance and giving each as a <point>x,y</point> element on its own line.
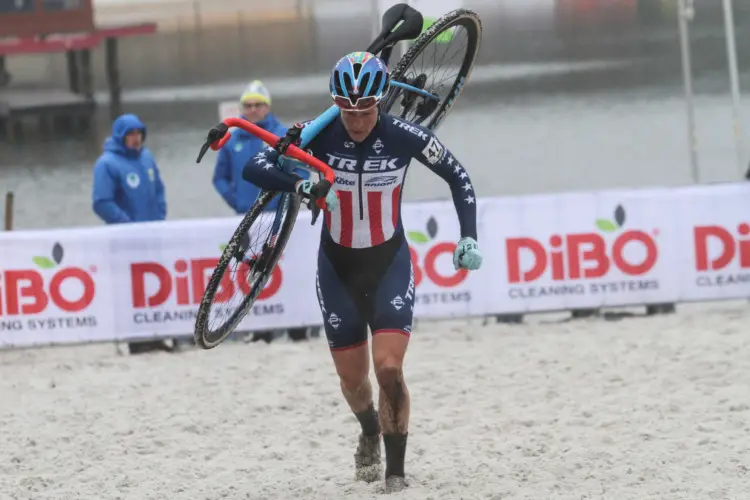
<point>415,89</point>
<point>314,127</point>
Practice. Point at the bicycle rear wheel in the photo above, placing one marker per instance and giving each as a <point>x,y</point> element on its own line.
<point>458,35</point>
<point>254,249</point>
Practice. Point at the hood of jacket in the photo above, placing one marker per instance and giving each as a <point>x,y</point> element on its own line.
<point>120,128</point>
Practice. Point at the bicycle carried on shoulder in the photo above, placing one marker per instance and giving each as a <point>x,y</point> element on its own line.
<point>419,93</point>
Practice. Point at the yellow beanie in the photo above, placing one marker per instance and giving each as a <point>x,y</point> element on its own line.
<point>256,91</point>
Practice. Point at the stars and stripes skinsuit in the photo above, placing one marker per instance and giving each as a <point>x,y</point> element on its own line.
<point>365,276</point>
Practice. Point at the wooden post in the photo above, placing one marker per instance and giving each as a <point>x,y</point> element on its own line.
<point>87,75</point>
<point>74,81</point>
<point>4,75</point>
<point>113,77</point>
<point>9,211</point>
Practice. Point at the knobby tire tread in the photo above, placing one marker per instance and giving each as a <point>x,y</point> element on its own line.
<point>459,17</point>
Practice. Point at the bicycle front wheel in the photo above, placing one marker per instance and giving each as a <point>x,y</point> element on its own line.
<point>440,61</point>
<point>245,266</point>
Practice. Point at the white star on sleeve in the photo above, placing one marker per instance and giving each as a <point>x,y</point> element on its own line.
<point>456,169</point>
<point>469,200</point>
<point>467,187</point>
<point>450,160</point>
<point>463,175</point>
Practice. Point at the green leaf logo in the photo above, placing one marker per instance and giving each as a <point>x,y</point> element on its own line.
<point>418,237</point>
<point>606,225</point>
<point>609,226</point>
<point>46,262</point>
<point>43,262</point>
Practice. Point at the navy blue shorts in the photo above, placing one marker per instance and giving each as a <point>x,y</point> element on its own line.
<point>365,287</point>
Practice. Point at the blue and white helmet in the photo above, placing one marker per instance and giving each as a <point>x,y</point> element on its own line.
<point>359,76</point>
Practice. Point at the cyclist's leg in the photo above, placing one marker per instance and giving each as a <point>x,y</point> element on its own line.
<point>394,303</point>
<point>346,332</point>
<point>347,339</point>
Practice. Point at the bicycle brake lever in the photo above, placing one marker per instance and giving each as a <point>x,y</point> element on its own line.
<point>315,209</point>
<point>318,193</point>
<point>215,134</point>
<point>202,153</point>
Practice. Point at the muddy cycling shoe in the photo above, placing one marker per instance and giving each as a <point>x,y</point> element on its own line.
<point>394,484</point>
<point>367,463</point>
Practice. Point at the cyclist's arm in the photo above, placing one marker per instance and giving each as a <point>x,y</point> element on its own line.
<point>262,170</point>
<point>429,151</point>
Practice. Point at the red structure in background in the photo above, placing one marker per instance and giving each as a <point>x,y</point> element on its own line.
<point>58,26</point>
<point>28,18</point>
<point>596,13</point>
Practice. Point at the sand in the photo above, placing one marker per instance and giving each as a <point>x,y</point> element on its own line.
<point>643,408</point>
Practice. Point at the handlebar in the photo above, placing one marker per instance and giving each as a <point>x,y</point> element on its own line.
<point>218,137</point>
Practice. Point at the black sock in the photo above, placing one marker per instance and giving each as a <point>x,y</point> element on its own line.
<point>368,419</point>
<point>395,450</point>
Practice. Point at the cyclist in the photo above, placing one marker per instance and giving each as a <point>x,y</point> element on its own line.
<point>365,276</point>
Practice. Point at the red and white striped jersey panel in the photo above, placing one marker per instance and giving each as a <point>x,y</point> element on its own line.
<point>368,213</point>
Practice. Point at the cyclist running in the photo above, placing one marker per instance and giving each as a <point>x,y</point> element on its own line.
<point>365,276</point>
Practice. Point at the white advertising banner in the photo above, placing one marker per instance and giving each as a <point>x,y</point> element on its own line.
<point>714,240</point>
<point>165,272</point>
<point>55,287</point>
<point>541,253</point>
<point>583,250</point>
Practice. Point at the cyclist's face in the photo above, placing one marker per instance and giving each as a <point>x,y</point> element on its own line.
<point>359,124</point>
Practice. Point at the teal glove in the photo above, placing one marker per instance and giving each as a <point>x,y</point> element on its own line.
<point>304,187</point>
<point>467,255</point>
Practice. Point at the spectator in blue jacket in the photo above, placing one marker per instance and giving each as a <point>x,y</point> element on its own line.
<point>127,184</point>
<point>237,192</point>
<point>128,188</point>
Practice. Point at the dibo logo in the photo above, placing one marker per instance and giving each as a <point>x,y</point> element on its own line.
<point>42,287</point>
<point>582,255</point>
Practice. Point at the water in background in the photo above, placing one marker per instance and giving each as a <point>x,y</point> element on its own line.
<point>551,107</point>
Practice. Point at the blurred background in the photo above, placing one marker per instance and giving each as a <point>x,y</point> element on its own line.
<point>566,95</point>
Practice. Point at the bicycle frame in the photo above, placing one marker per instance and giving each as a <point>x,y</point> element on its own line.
<point>400,22</point>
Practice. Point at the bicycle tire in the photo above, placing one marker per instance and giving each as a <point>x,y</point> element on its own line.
<point>203,336</point>
<point>465,18</point>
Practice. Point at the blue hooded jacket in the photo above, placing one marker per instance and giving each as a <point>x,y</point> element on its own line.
<point>127,184</point>
<point>232,158</point>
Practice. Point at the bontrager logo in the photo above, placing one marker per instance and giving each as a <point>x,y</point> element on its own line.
<point>381,181</point>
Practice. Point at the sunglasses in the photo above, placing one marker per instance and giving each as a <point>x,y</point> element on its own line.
<point>362,104</point>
